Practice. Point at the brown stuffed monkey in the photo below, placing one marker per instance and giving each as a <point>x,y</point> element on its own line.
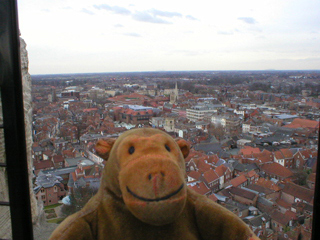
<point>143,196</point>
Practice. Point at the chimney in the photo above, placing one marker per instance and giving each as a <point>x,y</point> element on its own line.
<point>263,226</point>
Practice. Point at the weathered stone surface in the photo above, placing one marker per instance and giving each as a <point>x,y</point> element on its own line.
<point>27,101</point>
<point>5,223</point>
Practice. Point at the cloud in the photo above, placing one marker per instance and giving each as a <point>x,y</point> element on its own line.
<point>113,9</point>
<point>84,10</point>
<point>147,17</point>
<point>248,20</point>
<point>156,12</point>
<point>118,25</point>
<point>189,53</point>
<point>67,8</point>
<point>191,18</point>
<point>225,32</point>
<point>132,34</point>
<point>261,37</point>
<point>150,16</point>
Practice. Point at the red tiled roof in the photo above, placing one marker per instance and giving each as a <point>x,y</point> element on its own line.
<point>287,153</point>
<point>134,96</point>
<point>276,169</point>
<point>210,176</point>
<point>242,193</point>
<point>43,164</point>
<point>280,217</point>
<point>303,123</point>
<point>48,153</point>
<point>264,157</point>
<point>194,174</point>
<point>58,158</point>
<point>202,165</point>
<point>68,153</point>
<point>291,215</point>
<point>278,155</point>
<point>268,184</point>
<point>213,198</point>
<point>312,177</point>
<point>238,180</point>
<point>200,188</point>
<point>299,192</point>
<point>90,109</point>
<point>249,150</point>
<point>283,203</point>
<point>306,153</point>
<point>251,173</point>
<point>213,159</point>
<point>221,170</point>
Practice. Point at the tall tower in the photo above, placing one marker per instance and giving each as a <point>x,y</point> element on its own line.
<point>174,95</point>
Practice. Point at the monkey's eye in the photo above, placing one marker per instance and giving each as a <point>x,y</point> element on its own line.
<point>167,147</point>
<point>131,150</point>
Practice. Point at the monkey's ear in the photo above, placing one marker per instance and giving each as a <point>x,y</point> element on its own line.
<point>184,146</point>
<point>104,146</point>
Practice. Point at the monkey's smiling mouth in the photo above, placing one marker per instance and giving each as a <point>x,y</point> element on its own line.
<point>155,199</point>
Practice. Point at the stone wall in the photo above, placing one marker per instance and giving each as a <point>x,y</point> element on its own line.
<point>36,206</point>
<point>5,221</point>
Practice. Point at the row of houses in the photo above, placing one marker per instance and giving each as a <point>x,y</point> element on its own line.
<point>263,194</point>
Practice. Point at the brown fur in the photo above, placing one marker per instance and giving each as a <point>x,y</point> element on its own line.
<point>143,196</point>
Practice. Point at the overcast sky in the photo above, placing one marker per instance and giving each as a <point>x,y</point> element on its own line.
<point>79,36</point>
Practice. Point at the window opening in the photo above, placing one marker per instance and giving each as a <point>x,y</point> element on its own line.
<point>225,123</point>
<point>13,130</point>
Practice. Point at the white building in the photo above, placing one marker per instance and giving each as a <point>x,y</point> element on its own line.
<point>199,112</point>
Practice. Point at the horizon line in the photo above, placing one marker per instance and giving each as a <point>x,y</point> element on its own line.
<point>164,71</point>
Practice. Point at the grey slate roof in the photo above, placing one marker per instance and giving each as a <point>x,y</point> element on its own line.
<point>74,161</point>
<point>38,149</point>
<point>47,181</point>
<point>70,181</point>
<point>80,182</point>
<point>211,148</point>
<point>245,167</point>
<point>259,189</point>
<point>237,204</point>
<point>258,220</point>
<point>310,162</point>
<point>58,171</point>
<point>265,201</point>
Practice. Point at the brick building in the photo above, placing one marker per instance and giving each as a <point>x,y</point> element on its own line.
<point>49,189</point>
<point>133,114</point>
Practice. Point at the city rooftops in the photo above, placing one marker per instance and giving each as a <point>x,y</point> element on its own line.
<point>47,181</point>
<point>137,107</point>
<point>206,107</point>
<point>58,171</point>
<point>82,160</point>
<point>285,116</point>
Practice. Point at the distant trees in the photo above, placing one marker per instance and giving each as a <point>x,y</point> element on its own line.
<point>301,176</point>
<point>217,131</point>
<point>260,86</point>
<point>315,88</point>
<point>77,199</point>
<point>187,85</point>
